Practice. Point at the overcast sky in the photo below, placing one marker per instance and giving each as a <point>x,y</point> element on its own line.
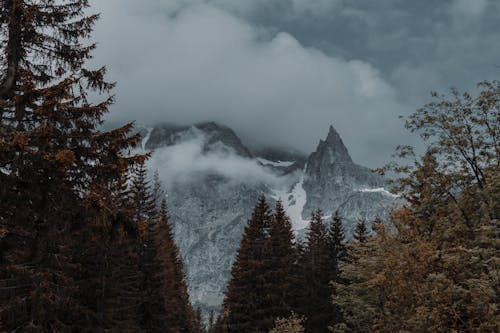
<point>280,72</point>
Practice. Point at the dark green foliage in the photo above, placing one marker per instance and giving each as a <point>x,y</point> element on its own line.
<point>280,270</point>
<point>317,264</point>
<point>244,304</point>
<point>336,241</point>
<point>361,231</point>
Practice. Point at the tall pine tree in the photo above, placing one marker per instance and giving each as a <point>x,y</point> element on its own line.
<point>361,231</point>
<point>316,276</point>
<point>57,171</point>
<point>280,267</point>
<point>242,309</point>
<point>337,252</point>
<point>177,312</point>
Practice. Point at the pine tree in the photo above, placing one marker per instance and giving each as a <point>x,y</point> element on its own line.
<point>178,314</point>
<point>338,252</point>
<point>361,231</point>
<point>57,168</point>
<point>242,309</point>
<point>315,303</point>
<point>336,243</point>
<point>141,195</point>
<point>280,267</point>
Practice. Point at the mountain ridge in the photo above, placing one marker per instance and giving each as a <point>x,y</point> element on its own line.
<point>210,211</point>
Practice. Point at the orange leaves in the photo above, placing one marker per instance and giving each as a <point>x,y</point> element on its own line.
<point>377,280</point>
<point>66,157</point>
<point>95,199</point>
<point>142,227</point>
<point>20,140</point>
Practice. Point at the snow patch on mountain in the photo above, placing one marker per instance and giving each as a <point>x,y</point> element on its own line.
<point>294,202</point>
<point>378,190</point>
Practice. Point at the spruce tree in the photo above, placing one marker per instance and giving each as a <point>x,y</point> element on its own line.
<point>177,313</point>
<point>338,252</point>
<point>361,231</point>
<point>316,266</point>
<point>280,267</point>
<point>244,300</point>
<point>142,197</point>
<point>336,241</point>
<point>57,170</point>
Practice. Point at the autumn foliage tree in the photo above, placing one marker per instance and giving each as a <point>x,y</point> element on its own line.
<point>436,268</point>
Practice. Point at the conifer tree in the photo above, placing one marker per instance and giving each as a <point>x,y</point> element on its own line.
<point>315,303</point>
<point>336,243</point>
<point>338,252</point>
<point>142,197</point>
<point>361,231</point>
<point>178,314</point>
<point>243,309</point>
<point>57,169</point>
<point>280,267</point>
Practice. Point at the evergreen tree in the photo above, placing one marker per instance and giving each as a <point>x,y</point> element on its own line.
<point>141,195</point>
<point>336,243</point>
<point>315,304</point>
<point>177,314</point>
<point>280,267</point>
<point>56,168</point>
<point>338,252</point>
<point>361,231</point>
<point>243,309</point>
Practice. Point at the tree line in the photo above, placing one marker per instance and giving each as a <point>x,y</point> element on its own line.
<point>434,266</point>
<point>276,276</point>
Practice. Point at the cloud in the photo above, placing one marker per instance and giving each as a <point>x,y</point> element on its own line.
<point>199,62</point>
<point>187,160</point>
<point>281,72</point>
<point>470,8</point>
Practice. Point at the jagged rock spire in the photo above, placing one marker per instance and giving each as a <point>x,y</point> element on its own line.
<point>333,150</point>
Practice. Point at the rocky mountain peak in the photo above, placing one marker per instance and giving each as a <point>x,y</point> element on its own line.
<point>209,215</point>
<point>220,134</point>
<point>330,151</point>
<point>331,175</point>
<point>218,137</point>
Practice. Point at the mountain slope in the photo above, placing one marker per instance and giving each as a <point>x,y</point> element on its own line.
<point>213,180</point>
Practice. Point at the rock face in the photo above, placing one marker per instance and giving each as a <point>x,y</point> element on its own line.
<point>208,220</point>
<point>333,182</point>
<point>212,201</point>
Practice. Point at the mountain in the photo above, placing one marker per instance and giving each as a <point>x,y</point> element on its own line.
<point>219,137</point>
<point>333,182</point>
<point>213,180</point>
